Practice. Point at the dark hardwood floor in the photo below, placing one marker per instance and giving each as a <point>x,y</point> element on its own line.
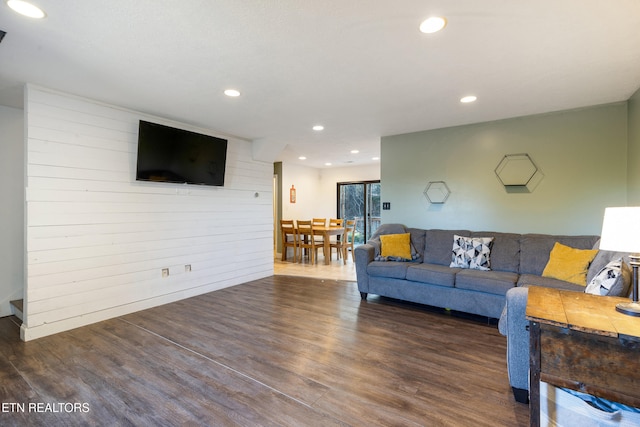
<point>281,351</point>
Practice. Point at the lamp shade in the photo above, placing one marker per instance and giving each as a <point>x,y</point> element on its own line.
<point>621,230</point>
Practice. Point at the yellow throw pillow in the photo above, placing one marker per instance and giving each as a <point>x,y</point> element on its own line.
<point>569,264</point>
<point>396,245</point>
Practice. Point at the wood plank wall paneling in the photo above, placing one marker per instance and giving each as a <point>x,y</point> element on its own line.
<point>97,240</point>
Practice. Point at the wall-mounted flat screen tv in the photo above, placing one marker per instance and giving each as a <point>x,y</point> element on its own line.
<point>167,154</point>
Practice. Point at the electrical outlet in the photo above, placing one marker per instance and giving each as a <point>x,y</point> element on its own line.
<point>187,268</point>
<point>165,272</point>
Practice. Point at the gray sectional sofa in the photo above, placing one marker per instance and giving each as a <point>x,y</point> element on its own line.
<point>516,260</point>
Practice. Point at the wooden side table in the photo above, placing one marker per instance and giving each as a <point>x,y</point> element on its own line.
<point>579,341</point>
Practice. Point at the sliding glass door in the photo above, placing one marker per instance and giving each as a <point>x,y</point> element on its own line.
<point>360,201</point>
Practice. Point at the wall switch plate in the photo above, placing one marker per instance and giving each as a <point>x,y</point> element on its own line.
<point>187,268</point>
<point>165,272</point>
<point>386,206</point>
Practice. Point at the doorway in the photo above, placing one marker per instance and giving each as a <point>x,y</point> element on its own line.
<point>360,201</point>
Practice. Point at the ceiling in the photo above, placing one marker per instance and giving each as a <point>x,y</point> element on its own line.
<point>361,68</point>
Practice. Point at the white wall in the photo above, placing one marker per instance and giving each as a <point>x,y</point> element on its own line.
<point>11,207</point>
<point>97,239</point>
<point>316,189</point>
<point>331,176</point>
<point>582,154</point>
<point>306,181</point>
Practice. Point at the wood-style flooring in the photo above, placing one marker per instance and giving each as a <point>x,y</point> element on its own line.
<point>280,351</point>
<point>336,269</point>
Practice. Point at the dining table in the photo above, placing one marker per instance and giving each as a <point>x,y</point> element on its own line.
<point>326,232</point>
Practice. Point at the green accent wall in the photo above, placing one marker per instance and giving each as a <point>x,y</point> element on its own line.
<point>633,158</point>
<point>581,154</point>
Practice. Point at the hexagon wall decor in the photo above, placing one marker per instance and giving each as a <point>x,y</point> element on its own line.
<point>518,173</point>
<point>437,192</point>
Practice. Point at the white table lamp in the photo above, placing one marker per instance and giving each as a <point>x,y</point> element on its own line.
<point>621,233</point>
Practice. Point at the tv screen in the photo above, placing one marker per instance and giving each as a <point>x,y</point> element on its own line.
<point>167,154</point>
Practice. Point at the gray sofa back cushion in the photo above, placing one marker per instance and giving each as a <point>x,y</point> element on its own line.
<point>535,249</point>
<point>505,251</point>
<point>388,229</point>
<point>439,244</point>
<point>418,241</point>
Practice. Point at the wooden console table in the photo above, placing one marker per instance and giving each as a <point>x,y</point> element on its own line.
<point>579,341</point>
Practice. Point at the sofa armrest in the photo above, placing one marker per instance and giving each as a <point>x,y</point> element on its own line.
<point>364,254</point>
<point>514,325</point>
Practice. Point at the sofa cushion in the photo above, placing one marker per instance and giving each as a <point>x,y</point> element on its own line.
<point>433,274</point>
<point>396,246</point>
<point>388,229</point>
<point>569,264</point>
<point>437,249</point>
<point>393,269</point>
<point>613,279</point>
<point>471,252</point>
<point>505,252</point>
<point>602,259</point>
<point>459,257</point>
<point>535,249</point>
<point>493,282</point>
<point>418,241</point>
<point>535,280</point>
<point>479,252</point>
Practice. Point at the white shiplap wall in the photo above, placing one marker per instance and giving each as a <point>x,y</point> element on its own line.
<point>97,240</point>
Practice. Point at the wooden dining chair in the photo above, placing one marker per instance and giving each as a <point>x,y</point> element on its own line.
<point>319,222</point>
<point>304,230</point>
<point>349,238</point>
<point>335,240</point>
<point>289,238</point>
<point>336,222</point>
<point>322,222</point>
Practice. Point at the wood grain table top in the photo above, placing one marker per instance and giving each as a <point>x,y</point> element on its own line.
<point>581,312</point>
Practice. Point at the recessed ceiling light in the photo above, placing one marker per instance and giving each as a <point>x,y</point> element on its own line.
<point>232,93</point>
<point>318,128</point>
<point>327,164</point>
<point>355,151</point>
<point>433,24</point>
<point>468,99</point>
<point>375,158</point>
<point>26,9</point>
<point>302,158</point>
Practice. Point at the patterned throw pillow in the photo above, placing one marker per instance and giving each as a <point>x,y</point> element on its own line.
<point>459,252</point>
<point>480,253</point>
<point>613,279</point>
<point>471,252</point>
